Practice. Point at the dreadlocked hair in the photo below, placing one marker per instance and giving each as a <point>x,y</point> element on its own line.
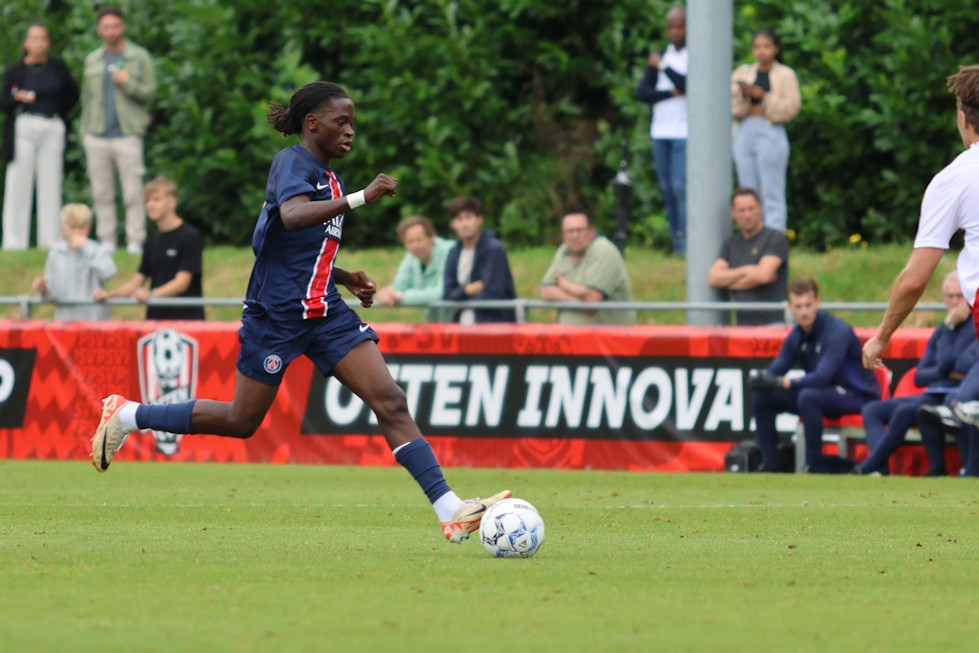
<point>965,85</point>
<point>289,120</point>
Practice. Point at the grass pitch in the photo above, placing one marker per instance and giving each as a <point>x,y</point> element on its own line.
<point>195,557</point>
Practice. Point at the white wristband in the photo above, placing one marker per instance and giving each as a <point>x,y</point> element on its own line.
<point>356,200</point>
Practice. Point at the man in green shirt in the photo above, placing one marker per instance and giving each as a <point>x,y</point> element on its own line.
<point>587,268</point>
<point>420,275</point>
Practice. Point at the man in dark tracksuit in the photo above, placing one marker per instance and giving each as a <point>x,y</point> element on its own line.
<point>477,266</point>
<point>950,354</point>
<point>835,382</point>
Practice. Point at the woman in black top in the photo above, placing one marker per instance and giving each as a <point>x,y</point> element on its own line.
<point>38,92</point>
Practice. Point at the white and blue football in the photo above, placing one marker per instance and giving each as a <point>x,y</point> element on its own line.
<point>512,528</point>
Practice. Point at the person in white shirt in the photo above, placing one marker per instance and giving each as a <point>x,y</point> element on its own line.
<point>950,203</point>
<point>664,85</point>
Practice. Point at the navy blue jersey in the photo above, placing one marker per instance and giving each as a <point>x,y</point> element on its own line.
<point>293,273</point>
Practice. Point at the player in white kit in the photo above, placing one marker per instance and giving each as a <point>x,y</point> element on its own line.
<point>950,203</point>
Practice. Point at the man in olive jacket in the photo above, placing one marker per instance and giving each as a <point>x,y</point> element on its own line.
<point>118,84</point>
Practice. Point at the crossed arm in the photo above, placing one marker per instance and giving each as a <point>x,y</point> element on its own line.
<point>743,277</point>
<point>568,291</point>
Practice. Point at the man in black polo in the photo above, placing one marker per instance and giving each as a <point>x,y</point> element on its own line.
<point>753,265</point>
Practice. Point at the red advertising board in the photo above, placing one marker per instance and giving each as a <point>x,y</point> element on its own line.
<point>641,398</point>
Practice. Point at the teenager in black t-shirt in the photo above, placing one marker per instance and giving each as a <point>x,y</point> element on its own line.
<point>172,258</point>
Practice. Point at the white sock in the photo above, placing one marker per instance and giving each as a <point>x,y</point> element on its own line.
<point>394,452</point>
<point>127,415</point>
<point>447,505</point>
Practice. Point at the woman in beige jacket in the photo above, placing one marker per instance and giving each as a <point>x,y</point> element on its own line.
<point>764,96</point>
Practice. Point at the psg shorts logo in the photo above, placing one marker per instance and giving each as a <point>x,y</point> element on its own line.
<point>273,364</point>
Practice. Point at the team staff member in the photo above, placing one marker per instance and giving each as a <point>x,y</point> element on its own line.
<point>834,384</point>
<point>950,203</point>
<point>956,416</point>
<point>950,354</point>
<point>293,308</point>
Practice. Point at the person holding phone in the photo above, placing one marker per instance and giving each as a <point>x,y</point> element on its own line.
<point>764,97</point>
<point>118,84</point>
<point>664,86</point>
<point>37,94</point>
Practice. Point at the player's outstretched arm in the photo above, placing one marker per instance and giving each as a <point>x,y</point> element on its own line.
<point>300,212</point>
<point>907,290</point>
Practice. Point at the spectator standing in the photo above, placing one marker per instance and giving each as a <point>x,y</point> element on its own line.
<point>764,97</point>
<point>172,258</point>
<point>664,85</point>
<point>118,84</point>
<point>753,265</point>
<point>587,268</point>
<point>835,382</point>
<point>421,274</point>
<point>76,269</point>
<point>477,266</point>
<point>38,92</point>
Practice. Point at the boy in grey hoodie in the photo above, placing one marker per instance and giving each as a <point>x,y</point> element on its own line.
<point>76,267</point>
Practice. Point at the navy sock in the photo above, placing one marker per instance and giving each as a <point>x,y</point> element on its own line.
<point>172,418</point>
<point>419,459</point>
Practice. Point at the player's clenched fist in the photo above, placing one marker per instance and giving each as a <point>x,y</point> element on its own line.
<point>382,185</point>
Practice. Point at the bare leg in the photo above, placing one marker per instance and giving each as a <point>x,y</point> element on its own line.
<point>239,418</point>
<point>364,372</point>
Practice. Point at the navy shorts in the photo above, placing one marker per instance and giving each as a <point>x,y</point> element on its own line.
<point>268,346</point>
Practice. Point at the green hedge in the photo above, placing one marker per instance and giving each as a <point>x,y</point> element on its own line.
<point>522,103</point>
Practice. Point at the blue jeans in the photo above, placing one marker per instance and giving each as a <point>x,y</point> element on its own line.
<point>811,405</point>
<point>761,156</point>
<point>670,155</point>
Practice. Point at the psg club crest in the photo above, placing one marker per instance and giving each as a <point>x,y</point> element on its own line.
<point>167,375</point>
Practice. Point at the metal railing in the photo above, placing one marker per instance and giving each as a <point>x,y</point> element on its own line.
<point>522,306</point>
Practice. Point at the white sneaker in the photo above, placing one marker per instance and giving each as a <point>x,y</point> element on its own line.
<point>967,411</point>
<point>941,416</point>
<point>110,434</point>
<point>134,248</point>
<point>466,519</point>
